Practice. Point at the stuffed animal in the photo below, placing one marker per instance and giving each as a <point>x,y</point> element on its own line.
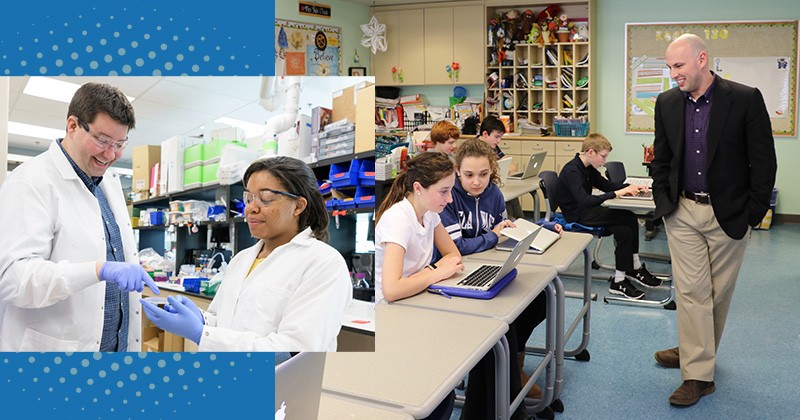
<point>526,23</point>
<point>534,35</point>
<point>549,13</point>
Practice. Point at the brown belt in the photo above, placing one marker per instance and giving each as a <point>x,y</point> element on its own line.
<point>700,198</point>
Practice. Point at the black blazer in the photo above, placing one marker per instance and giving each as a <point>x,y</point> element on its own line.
<point>741,155</point>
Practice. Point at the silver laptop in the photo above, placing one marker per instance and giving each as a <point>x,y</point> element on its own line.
<point>642,195</point>
<point>298,386</point>
<point>481,277</point>
<point>532,168</point>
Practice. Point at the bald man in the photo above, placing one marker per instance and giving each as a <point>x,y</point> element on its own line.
<point>713,173</point>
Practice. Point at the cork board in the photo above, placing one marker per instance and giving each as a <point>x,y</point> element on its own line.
<point>760,54</point>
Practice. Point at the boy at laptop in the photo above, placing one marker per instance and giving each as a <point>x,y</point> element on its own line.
<point>575,183</point>
<point>473,220</point>
<point>491,133</point>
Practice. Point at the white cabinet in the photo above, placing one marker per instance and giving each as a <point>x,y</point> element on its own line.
<point>451,37</point>
<point>405,49</point>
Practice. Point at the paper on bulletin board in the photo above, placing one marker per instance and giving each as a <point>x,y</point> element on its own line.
<point>770,74</point>
<point>307,49</point>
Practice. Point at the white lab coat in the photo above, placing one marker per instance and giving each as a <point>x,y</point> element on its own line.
<point>293,301</point>
<point>52,235</point>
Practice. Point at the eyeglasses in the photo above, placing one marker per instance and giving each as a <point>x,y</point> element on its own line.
<point>265,196</point>
<point>604,157</point>
<point>102,141</point>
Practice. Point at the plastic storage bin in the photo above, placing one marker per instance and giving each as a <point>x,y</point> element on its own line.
<point>345,174</point>
<point>365,197</point>
<point>210,174</point>
<point>193,176</point>
<point>347,203</point>
<point>366,174</point>
<point>194,155</point>
<point>571,128</point>
<point>332,204</point>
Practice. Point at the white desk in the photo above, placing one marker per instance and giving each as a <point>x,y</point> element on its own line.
<point>514,188</point>
<point>560,256</point>
<point>336,408</point>
<point>420,356</point>
<point>640,207</point>
<point>507,305</point>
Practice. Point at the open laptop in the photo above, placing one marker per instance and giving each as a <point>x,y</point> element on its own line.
<point>532,168</point>
<point>642,195</point>
<point>503,168</point>
<point>541,242</point>
<point>483,281</point>
<point>298,386</point>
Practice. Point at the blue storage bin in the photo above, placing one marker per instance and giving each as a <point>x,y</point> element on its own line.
<point>347,203</point>
<point>331,204</point>
<point>365,196</point>
<point>192,284</point>
<point>345,174</point>
<point>366,175</point>
<point>324,187</point>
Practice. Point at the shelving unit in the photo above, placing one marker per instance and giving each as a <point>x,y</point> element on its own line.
<point>538,83</point>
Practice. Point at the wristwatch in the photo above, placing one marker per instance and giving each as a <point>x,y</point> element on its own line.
<point>432,266</point>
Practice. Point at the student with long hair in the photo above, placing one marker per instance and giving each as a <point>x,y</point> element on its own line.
<point>407,227</point>
<point>286,293</point>
<point>473,220</point>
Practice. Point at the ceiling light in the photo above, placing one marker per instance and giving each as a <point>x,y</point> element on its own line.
<point>36,131</point>
<point>250,129</point>
<point>54,89</point>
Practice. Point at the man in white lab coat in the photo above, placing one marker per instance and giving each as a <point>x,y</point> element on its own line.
<point>70,279</point>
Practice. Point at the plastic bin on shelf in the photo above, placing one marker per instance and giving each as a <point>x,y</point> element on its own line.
<point>365,197</point>
<point>345,174</point>
<point>324,187</point>
<point>332,203</point>
<point>366,174</point>
<point>571,128</point>
<point>347,203</point>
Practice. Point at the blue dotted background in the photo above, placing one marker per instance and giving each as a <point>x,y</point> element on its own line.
<point>136,385</point>
<point>137,38</point>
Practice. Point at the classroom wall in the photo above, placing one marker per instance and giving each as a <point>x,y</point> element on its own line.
<point>344,14</point>
<point>611,18</point>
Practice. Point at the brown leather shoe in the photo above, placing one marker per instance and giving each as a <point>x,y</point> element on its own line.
<point>669,358</point>
<point>690,392</point>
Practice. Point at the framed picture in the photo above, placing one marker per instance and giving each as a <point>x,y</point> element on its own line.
<point>357,71</point>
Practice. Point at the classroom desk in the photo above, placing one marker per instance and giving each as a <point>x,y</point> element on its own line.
<point>336,408</point>
<point>641,207</point>
<point>560,256</point>
<point>420,356</point>
<point>506,306</point>
<point>514,188</point>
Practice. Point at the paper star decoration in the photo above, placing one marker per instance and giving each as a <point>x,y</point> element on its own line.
<point>374,35</point>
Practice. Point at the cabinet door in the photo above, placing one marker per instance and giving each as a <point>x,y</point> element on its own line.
<point>469,39</point>
<point>438,45</point>
<point>382,62</point>
<point>410,46</point>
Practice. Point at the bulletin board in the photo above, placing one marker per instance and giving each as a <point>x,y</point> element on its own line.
<point>759,54</point>
<point>307,49</point>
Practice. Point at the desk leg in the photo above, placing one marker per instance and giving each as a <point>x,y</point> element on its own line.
<point>549,351</point>
<point>501,379</point>
<point>536,208</point>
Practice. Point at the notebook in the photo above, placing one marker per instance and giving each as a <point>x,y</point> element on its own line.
<point>532,168</point>
<point>298,386</point>
<point>503,167</point>
<point>642,195</point>
<point>541,242</point>
<point>484,281</point>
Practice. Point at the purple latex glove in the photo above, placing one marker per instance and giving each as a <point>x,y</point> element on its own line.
<point>183,321</point>
<point>128,277</point>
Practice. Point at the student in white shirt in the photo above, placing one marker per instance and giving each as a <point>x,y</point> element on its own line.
<point>408,225</point>
<point>288,292</point>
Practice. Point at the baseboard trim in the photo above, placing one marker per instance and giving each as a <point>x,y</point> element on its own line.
<point>787,218</point>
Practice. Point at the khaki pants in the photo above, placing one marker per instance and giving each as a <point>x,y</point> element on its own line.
<point>705,265</point>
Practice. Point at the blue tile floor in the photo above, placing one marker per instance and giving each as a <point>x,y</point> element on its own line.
<point>758,366</point>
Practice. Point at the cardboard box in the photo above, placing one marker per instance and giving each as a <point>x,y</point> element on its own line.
<point>144,157</point>
<point>344,104</point>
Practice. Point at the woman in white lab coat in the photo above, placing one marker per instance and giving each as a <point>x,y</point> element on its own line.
<point>286,293</point>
